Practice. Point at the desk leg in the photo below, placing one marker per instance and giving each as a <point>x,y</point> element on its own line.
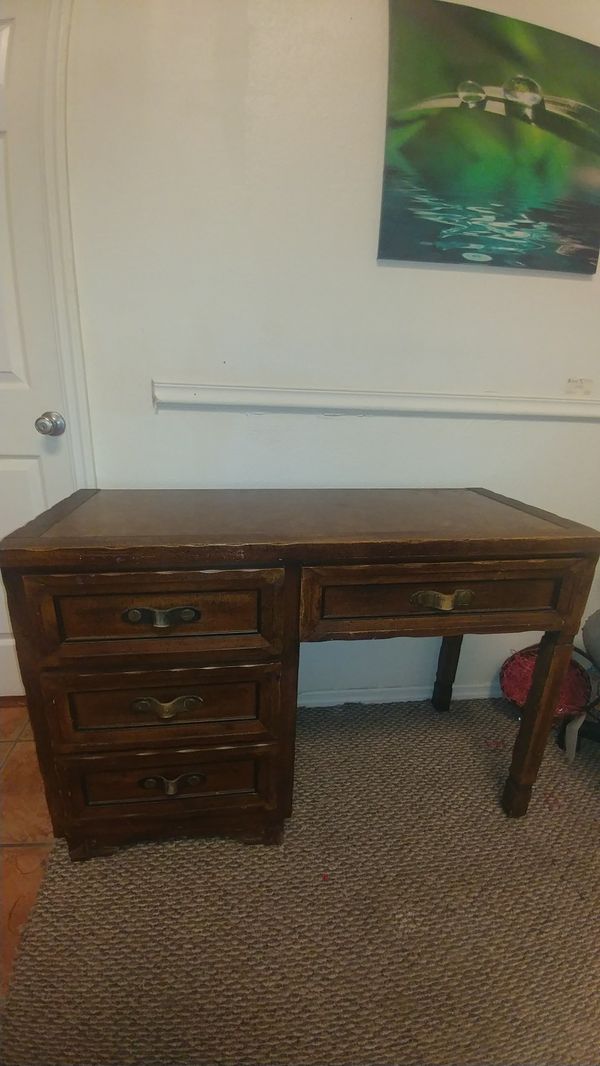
<point>551,666</point>
<point>446,672</point>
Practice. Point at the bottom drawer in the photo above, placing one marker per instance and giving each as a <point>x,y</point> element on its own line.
<point>178,780</point>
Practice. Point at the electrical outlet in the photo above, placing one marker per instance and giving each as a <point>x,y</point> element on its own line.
<point>579,387</point>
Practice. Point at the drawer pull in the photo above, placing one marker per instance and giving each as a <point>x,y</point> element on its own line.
<point>146,704</point>
<point>158,618</point>
<point>443,601</point>
<point>170,785</point>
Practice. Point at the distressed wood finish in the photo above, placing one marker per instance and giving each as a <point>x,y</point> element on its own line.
<point>152,708</point>
<point>133,528</point>
<point>173,725</point>
<point>199,779</point>
<point>83,615</point>
<point>360,601</point>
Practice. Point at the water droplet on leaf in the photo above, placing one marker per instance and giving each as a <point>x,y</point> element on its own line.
<point>522,90</point>
<point>471,93</point>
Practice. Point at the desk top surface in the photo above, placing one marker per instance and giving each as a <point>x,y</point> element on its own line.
<point>264,525</point>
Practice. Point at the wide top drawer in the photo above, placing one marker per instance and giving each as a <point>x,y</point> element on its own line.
<point>345,602</point>
<point>77,615</point>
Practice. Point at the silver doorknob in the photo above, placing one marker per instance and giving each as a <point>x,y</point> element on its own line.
<point>50,424</point>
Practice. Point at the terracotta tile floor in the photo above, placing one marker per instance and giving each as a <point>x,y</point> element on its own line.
<point>25,831</point>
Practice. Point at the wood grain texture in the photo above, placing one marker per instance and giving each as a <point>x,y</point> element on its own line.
<point>201,779</point>
<point>29,655</point>
<point>82,615</point>
<point>551,667</point>
<point>99,710</point>
<point>351,602</point>
<point>261,570</point>
<point>261,526</point>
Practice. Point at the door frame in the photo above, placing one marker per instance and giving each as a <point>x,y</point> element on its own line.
<point>59,240</point>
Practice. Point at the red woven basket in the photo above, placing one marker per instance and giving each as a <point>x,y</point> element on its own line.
<point>516,675</point>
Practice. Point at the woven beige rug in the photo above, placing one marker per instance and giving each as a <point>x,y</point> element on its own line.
<point>404,921</point>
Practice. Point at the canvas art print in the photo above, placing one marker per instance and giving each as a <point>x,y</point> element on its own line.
<point>493,142</point>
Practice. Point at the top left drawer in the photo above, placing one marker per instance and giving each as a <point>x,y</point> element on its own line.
<point>217,611</point>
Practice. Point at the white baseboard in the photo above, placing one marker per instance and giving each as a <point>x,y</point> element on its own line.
<point>335,697</point>
<point>13,686</point>
<point>10,678</point>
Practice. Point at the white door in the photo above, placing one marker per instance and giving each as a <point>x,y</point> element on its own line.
<point>35,470</point>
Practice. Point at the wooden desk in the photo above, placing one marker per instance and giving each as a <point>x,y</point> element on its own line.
<point>158,635</point>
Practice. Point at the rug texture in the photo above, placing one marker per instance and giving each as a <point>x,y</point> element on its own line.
<point>404,921</point>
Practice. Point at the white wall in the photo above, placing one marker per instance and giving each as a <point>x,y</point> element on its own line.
<point>225,162</point>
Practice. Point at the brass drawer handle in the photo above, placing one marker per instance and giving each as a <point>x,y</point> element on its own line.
<point>158,618</point>
<point>170,785</point>
<point>147,704</point>
<point>443,601</point>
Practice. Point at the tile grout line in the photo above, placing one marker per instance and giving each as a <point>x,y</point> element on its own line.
<point>13,740</point>
<point>19,739</point>
<point>22,729</point>
<point>11,744</point>
<point>29,844</point>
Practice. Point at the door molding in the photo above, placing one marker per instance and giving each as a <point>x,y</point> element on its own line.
<point>59,238</point>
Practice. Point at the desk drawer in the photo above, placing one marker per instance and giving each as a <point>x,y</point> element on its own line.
<point>137,708</point>
<point>348,602</point>
<point>171,781</point>
<point>193,611</point>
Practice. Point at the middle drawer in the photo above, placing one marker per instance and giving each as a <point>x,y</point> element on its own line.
<point>135,708</point>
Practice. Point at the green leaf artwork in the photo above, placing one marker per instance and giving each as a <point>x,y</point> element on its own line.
<point>493,142</point>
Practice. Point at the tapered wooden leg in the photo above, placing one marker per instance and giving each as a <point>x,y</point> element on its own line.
<point>446,672</point>
<point>550,670</point>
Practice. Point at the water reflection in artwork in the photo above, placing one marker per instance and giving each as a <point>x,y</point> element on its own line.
<point>500,170</point>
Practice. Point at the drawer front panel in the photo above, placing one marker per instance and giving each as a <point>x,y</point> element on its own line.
<point>173,781</point>
<point>357,601</point>
<point>195,614</point>
<point>136,708</point>
<point>383,601</point>
<point>114,614</point>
